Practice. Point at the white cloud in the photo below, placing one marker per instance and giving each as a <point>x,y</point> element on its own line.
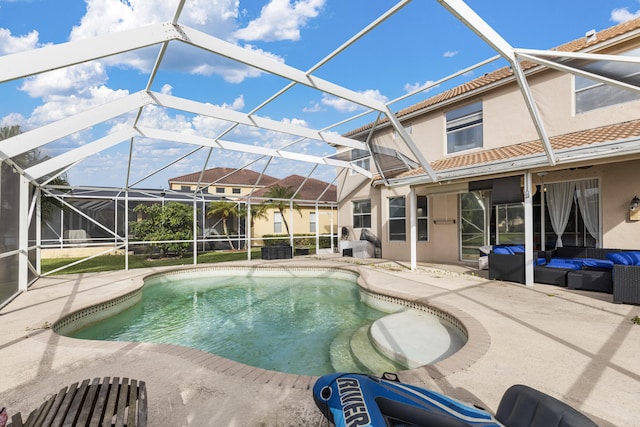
<point>166,89</point>
<point>623,15</point>
<point>280,20</point>
<point>315,107</point>
<point>450,53</point>
<point>57,107</point>
<point>345,106</point>
<point>66,81</point>
<point>10,44</point>
<point>412,87</point>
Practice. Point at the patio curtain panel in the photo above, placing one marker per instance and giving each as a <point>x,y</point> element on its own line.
<point>559,202</point>
<point>588,195</point>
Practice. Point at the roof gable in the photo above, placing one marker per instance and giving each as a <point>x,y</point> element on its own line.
<point>225,176</point>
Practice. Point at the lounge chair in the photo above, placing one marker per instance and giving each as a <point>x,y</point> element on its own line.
<point>92,403</point>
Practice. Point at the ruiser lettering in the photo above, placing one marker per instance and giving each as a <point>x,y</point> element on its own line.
<point>353,406</point>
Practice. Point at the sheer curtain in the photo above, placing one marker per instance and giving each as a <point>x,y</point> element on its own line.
<point>559,201</point>
<point>588,194</point>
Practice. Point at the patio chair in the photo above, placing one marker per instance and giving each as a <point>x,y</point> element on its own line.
<point>523,406</point>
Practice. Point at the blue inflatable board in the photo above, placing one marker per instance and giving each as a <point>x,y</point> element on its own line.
<point>356,400</point>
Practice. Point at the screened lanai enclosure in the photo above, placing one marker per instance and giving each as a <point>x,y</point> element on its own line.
<point>74,177</point>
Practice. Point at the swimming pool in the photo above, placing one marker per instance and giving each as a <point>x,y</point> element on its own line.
<point>309,322</point>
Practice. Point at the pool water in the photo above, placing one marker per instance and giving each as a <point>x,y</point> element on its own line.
<point>289,324</point>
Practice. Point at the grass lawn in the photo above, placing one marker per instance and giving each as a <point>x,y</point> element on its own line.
<point>116,262</point>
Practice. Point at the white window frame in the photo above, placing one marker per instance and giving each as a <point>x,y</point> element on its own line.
<point>601,94</point>
<point>277,222</point>
<point>312,222</point>
<point>423,217</point>
<point>360,214</point>
<point>464,119</point>
<point>398,237</point>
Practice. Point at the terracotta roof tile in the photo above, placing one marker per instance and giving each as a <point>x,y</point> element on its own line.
<point>241,177</point>
<point>311,190</point>
<point>571,140</point>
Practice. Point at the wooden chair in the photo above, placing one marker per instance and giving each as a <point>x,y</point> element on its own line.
<point>92,403</point>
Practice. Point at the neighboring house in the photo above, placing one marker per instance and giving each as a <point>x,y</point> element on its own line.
<point>223,182</point>
<point>492,167</point>
<point>246,186</point>
<point>311,218</point>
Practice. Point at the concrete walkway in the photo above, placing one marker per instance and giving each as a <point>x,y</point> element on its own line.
<point>576,346</point>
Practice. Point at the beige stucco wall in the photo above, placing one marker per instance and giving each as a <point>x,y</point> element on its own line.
<point>228,189</point>
<point>301,222</point>
<point>618,185</point>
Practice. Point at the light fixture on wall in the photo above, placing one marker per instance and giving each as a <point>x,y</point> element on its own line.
<point>634,209</point>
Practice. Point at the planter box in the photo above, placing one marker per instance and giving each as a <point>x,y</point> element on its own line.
<point>276,252</point>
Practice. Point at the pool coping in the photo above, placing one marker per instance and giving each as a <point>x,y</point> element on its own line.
<point>478,339</point>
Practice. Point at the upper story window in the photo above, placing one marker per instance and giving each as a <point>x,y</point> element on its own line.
<point>185,188</point>
<point>362,214</point>
<point>235,191</point>
<point>361,159</point>
<point>591,95</point>
<point>464,128</point>
<point>397,219</point>
<point>220,190</point>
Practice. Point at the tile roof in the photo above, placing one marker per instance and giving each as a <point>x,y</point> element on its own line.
<point>583,138</point>
<point>505,72</point>
<point>240,177</point>
<point>311,190</point>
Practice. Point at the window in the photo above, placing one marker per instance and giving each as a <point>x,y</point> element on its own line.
<point>362,163</point>
<point>220,190</point>
<point>397,219</point>
<point>312,222</point>
<point>423,218</point>
<point>185,188</point>
<point>591,95</point>
<point>464,128</point>
<point>361,159</point>
<point>277,222</point>
<point>362,214</point>
<point>235,191</point>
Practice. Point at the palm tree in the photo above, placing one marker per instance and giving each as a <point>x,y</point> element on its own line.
<point>280,195</point>
<point>224,210</point>
<point>30,158</point>
<point>258,211</point>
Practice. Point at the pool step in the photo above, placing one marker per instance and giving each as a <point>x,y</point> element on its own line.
<point>342,359</point>
<point>365,353</point>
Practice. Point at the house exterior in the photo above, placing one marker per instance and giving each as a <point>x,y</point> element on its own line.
<point>314,204</point>
<point>493,166</point>
<point>223,182</point>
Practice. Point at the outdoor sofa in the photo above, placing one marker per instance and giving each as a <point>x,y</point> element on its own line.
<point>612,271</point>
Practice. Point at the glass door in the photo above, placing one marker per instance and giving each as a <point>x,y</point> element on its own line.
<point>474,223</point>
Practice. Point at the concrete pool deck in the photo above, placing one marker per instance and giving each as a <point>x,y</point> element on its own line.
<point>576,346</point>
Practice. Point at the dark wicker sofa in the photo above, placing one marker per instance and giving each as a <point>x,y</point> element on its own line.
<point>613,271</point>
<point>626,284</point>
<point>577,267</point>
<point>508,266</point>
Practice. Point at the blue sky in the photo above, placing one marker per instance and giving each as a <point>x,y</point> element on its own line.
<point>421,43</point>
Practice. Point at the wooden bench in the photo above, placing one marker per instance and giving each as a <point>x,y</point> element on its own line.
<point>92,403</point>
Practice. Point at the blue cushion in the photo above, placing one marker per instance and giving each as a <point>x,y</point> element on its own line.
<point>603,264</point>
<point>568,263</point>
<point>634,256</point>
<point>624,258</point>
<point>503,250</point>
<point>542,261</point>
<point>517,249</point>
